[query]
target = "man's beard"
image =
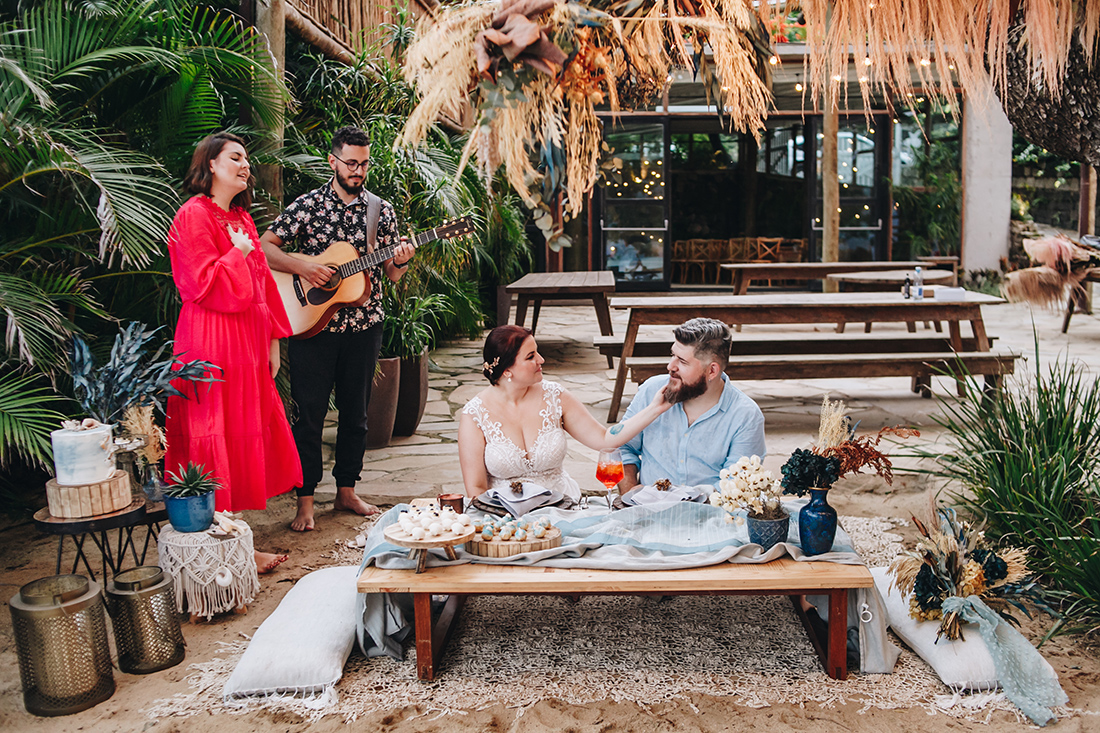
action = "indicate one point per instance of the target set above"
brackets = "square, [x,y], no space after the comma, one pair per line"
[350,189]
[685,391]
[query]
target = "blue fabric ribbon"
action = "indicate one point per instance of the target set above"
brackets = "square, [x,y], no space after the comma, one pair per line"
[1031,685]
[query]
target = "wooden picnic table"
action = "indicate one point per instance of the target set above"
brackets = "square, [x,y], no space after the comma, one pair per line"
[745,272]
[538,286]
[778,577]
[886,280]
[787,308]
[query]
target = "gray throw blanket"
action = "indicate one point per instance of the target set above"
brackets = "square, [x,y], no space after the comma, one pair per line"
[661,537]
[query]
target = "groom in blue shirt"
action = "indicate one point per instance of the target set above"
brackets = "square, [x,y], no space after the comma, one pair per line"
[711,425]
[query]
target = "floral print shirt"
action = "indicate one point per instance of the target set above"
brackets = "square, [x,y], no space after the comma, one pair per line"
[315,220]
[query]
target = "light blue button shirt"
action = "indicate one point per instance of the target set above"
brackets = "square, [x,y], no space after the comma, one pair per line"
[693,454]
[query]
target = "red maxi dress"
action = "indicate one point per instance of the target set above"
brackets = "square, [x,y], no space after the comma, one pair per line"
[231,312]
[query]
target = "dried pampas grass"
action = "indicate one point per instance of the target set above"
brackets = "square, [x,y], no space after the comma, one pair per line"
[1042,286]
[140,421]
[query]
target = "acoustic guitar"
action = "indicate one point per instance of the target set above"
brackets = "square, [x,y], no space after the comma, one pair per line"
[310,309]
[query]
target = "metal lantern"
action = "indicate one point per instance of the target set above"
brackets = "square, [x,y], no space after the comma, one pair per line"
[61,637]
[147,626]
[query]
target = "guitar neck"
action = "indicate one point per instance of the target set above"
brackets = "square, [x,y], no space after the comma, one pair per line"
[381,255]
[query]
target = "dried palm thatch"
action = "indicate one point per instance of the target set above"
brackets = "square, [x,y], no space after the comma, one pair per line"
[536,70]
[1063,266]
[950,42]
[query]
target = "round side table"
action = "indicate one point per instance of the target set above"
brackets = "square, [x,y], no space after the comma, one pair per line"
[113,554]
[210,575]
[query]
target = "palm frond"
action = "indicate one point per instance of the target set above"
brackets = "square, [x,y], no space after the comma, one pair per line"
[26,419]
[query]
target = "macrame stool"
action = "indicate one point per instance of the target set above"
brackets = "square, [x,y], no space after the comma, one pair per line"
[210,574]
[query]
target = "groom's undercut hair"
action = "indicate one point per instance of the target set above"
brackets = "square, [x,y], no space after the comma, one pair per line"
[710,339]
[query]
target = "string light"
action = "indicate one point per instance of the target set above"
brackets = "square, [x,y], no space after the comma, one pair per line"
[866,60]
[773,60]
[925,62]
[798,86]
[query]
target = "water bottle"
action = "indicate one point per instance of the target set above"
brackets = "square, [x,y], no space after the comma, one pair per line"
[918,284]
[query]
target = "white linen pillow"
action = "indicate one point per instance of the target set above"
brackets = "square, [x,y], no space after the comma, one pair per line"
[962,665]
[302,647]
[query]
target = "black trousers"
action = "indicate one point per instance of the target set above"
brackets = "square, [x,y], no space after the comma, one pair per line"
[347,362]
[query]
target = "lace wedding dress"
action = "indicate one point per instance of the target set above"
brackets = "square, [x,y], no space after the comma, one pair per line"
[505,462]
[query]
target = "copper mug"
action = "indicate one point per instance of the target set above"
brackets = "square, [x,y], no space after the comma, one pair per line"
[454,501]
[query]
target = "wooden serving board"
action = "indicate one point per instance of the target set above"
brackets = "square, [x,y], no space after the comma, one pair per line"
[497,547]
[398,536]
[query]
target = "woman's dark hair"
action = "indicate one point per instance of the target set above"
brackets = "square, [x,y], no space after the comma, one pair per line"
[502,345]
[199,177]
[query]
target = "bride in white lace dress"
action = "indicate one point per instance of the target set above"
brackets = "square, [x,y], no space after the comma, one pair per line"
[514,430]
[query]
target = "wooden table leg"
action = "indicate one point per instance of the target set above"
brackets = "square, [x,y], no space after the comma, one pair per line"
[425,658]
[977,325]
[535,316]
[838,635]
[956,337]
[603,317]
[620,376]
[521,308]
[431,639]
[740,282]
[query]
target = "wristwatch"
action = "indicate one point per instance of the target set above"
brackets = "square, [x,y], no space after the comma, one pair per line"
[402,266]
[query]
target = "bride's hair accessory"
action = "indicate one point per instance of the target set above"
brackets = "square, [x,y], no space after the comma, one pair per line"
[490,366]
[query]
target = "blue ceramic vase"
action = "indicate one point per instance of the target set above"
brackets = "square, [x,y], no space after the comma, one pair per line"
[817,524]
[190,513]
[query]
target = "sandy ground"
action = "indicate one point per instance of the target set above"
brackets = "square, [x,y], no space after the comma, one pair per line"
[426,464]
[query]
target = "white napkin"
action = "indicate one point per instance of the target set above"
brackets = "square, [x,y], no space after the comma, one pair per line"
[650,494]
[533,497]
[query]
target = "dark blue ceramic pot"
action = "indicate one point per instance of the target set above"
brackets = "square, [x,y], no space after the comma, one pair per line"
[768,532]
[190,513]
[817,524]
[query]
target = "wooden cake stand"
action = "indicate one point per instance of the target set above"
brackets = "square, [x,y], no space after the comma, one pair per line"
[447,541]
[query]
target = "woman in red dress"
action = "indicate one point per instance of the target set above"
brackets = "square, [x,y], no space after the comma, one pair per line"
[232,316]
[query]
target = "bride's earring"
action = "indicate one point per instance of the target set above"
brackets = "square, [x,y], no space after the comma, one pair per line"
[509,377]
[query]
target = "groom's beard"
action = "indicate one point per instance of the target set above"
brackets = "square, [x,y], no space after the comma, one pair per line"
[685,391]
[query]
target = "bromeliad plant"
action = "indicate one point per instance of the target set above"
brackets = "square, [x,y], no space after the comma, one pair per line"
[191,481]
[747,487]
[953,560]
[132,377]
[838,452]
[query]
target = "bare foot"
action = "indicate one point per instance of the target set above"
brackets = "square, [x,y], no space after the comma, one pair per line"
[303,521]
[349,502]
[267,561]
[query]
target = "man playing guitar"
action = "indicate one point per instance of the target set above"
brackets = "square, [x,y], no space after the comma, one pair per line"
[344,354]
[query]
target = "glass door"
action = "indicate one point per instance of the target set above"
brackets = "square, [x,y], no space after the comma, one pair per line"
[634,213]
[862,166]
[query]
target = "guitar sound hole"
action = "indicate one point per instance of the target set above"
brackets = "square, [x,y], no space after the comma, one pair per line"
[323,294]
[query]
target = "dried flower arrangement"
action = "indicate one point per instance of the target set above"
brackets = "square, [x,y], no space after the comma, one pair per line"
[535,71]
[838,452]
[747,487]
[953,560]
[1063,264]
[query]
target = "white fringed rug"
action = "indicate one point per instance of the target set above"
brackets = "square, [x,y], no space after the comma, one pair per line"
[519,650]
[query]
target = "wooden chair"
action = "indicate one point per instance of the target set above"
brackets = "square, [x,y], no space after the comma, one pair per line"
[736,251]
[792,250]
[698,256]
[767,249]
[678,260]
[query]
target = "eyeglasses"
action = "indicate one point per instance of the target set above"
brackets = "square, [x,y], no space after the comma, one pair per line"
[353,165]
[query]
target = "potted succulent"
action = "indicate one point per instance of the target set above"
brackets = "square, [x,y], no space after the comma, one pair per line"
[837,453]
[189,498]
[747,487]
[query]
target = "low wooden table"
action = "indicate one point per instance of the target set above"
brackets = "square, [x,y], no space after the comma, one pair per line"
[779,577]
[536,287]
[886,280]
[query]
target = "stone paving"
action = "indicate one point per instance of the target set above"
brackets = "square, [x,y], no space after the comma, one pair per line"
[426,463]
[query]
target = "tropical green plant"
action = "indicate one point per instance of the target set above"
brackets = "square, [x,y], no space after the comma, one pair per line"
[931,215]
[132,377]
[407,327]
[1028,463]
[191,481]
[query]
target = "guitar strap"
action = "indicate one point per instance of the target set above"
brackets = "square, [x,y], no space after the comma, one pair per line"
[374,211]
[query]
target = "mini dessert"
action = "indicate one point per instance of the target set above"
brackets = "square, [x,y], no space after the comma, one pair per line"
[516,487]
[663,484]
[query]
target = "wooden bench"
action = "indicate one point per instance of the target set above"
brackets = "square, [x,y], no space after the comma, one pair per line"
[779,577]
[536,287]
[818,343]
[992,365]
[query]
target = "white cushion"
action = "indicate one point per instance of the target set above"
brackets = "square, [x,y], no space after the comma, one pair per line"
[963,665]
[301,648]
